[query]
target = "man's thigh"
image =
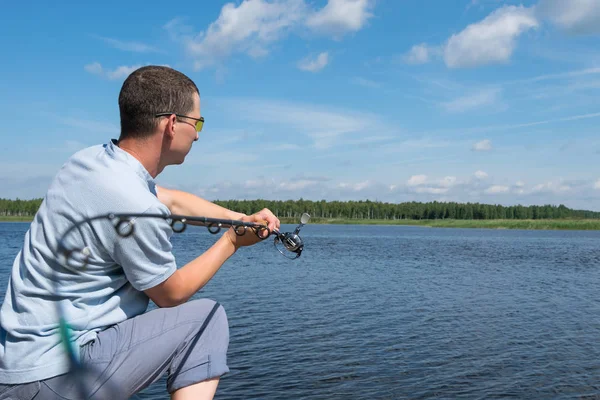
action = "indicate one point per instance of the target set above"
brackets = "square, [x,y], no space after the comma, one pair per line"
[19,392]
[188,342]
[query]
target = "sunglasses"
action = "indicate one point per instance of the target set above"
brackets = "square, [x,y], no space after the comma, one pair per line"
[199,121]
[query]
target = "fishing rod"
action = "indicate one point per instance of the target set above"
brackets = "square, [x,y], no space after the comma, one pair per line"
[76,259]
[124,225]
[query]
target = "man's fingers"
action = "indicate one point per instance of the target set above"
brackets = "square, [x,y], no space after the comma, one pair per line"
[271,218]
[266,217]
[270,222]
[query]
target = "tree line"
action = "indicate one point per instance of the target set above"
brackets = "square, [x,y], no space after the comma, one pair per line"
[408,210]
[364,209]
[18,207]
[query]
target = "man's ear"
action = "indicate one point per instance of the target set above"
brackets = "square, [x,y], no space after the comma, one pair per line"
[170,126]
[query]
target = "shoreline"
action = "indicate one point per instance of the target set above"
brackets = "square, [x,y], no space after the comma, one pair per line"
[525,224]
[16,219]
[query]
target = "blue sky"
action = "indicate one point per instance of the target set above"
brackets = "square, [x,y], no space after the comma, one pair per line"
[467,100]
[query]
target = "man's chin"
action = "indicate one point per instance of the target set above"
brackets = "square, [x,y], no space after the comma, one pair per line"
[180,159]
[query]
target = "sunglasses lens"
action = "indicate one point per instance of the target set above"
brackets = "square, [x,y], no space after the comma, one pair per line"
[199,125]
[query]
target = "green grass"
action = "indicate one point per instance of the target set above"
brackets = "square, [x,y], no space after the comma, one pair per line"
[545,224]
[15,219]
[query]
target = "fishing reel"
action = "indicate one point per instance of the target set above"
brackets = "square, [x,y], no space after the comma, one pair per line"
[290,241]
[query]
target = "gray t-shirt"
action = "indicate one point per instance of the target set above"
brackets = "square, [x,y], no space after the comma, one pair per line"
[98,180]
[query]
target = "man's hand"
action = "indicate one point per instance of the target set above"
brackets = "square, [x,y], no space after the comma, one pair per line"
[263,217]
[266,215]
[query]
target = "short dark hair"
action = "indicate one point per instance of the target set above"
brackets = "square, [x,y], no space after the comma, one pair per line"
[148,91]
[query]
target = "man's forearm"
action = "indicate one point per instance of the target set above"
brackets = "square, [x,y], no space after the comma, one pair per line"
[182,203]
[197,273]
[190,278]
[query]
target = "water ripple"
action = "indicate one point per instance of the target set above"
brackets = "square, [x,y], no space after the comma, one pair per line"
[404,313]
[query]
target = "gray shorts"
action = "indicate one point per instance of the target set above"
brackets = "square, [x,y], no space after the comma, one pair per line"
[188,342]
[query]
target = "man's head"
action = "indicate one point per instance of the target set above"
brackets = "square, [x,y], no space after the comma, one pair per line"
[156,99]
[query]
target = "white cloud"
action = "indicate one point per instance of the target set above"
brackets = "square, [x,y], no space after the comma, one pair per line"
[369,140]
[519,187]
[575,194]
[94,68]
[366,82]
[307,187]
[340,17]
[448,181]
[476,100]
[421,54]
[121,72]
[417,180]
[484,145]
[283,147]
[483,4]
[574,16]
[421,184]
[213,158]
[431,190]
[505,127]
[299,184]
[496,189]
[563,75]
[481,175]
[132,46]
[247,28]
[314,64]
[325,126]
[417,145]
[492,40]
[356,187]
[253,26]
[556,187]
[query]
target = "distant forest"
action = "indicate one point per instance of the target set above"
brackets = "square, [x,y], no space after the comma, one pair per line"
[364,209]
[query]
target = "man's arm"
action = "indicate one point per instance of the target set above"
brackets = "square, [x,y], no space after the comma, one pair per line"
[182,203]
[190,278]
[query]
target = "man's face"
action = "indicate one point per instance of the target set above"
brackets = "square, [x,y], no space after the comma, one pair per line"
[185,132]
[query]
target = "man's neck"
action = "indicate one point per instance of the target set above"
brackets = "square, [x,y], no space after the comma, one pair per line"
[146,151]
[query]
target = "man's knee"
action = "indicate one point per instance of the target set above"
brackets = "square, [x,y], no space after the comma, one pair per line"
[219,325]
[211,317]
[204,355]
[220,318]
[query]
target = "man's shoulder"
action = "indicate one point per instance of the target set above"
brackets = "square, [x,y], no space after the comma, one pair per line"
[88,151]
[92,177]
[86,159]
[98,161]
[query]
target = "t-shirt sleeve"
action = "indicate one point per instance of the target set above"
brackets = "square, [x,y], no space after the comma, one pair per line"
[146,255]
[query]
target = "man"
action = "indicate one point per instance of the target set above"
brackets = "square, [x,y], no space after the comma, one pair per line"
[105,304]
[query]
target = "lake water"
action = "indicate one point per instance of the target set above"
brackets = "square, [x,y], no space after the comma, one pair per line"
[390,312]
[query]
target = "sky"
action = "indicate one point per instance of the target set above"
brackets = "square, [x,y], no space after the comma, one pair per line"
[484,101]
